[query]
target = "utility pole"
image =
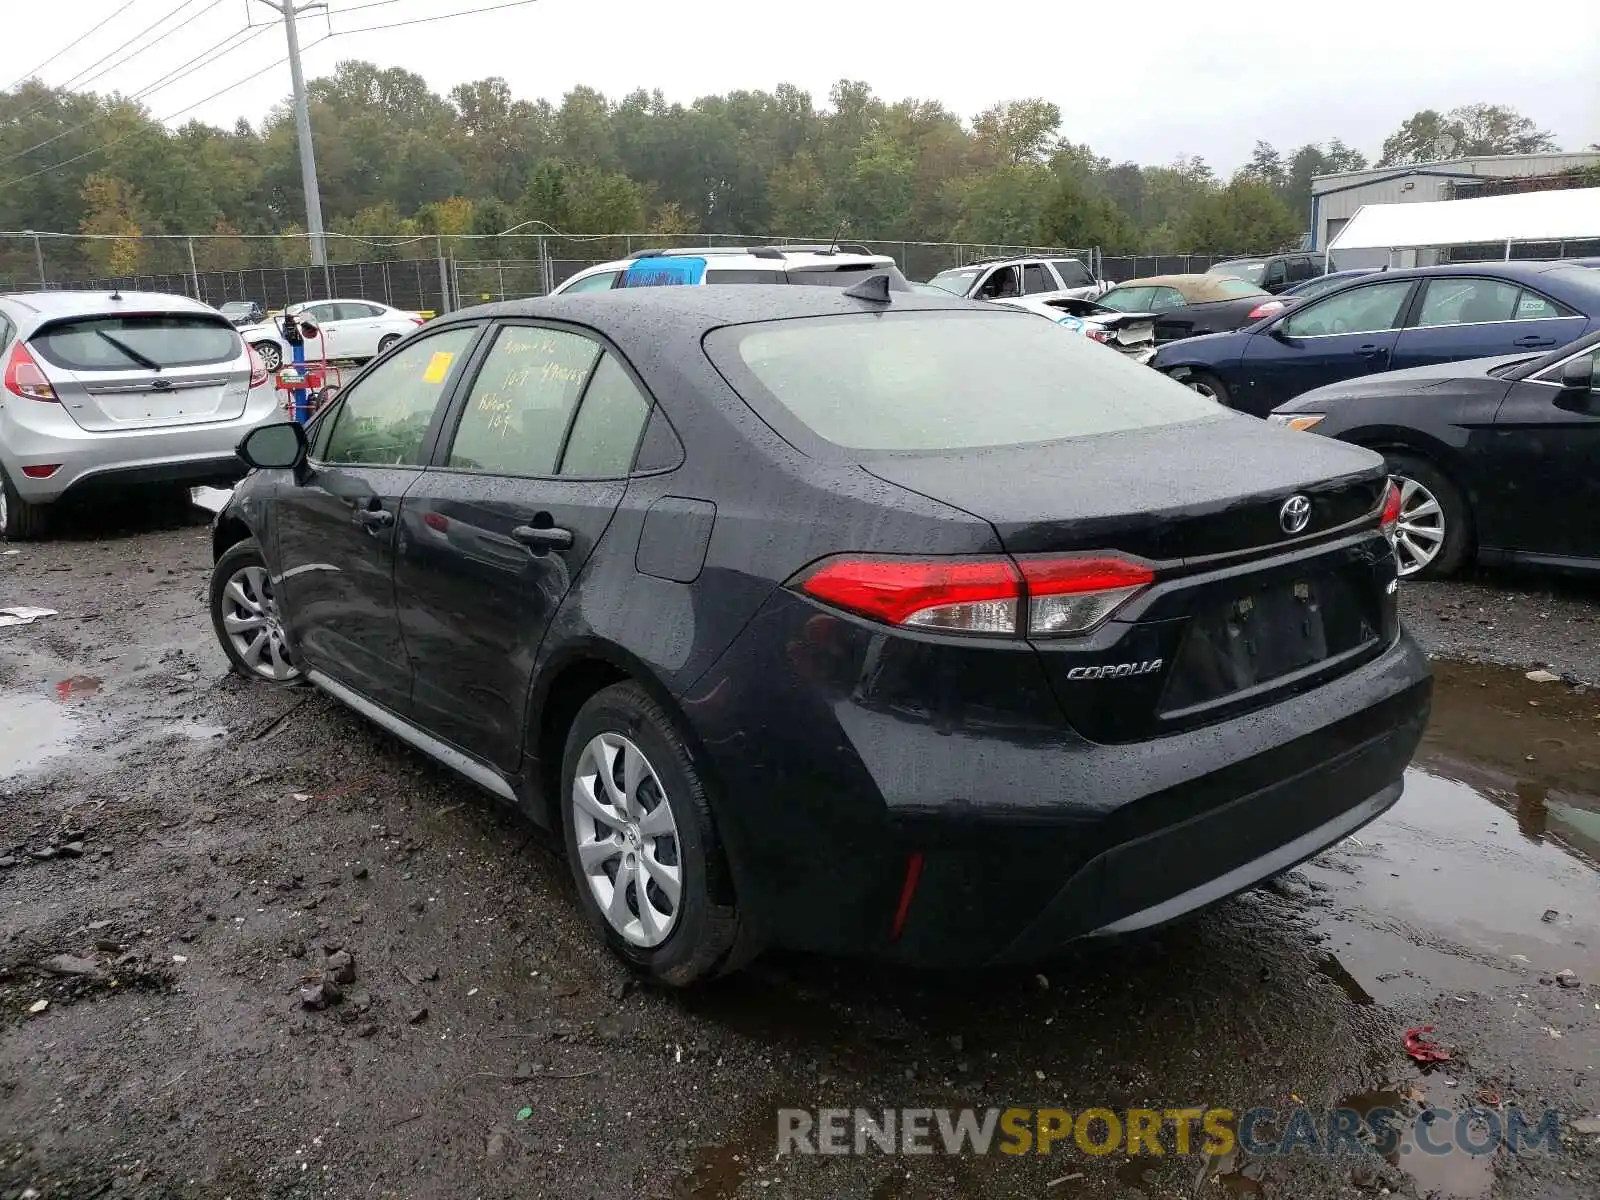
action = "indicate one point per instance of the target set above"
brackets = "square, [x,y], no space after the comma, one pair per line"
[302,120]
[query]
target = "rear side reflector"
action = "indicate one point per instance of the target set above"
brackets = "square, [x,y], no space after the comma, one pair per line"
[1036,595]
[25,379]
[908,890]
[41,472]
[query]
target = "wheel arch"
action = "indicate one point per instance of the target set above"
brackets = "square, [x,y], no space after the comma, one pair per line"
[1402,439]
[228,532]
[565,684]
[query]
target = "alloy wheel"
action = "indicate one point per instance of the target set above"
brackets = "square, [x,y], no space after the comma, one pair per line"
[1201,388]
[627,840]
[271,356]
[250,618]
[1420,533]
[5,512]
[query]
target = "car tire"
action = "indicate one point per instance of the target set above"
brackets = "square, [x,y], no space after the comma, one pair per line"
[271,355]
[612,834]
[247,619]
[1203,383]
[1430,503]
[387,342]
[20,521]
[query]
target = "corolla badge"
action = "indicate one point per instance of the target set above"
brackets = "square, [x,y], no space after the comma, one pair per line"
[1295,514]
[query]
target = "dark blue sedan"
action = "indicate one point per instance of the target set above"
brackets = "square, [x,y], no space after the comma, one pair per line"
[1388,322]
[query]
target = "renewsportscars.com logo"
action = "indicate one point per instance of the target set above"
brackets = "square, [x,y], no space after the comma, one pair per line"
[1258,1132]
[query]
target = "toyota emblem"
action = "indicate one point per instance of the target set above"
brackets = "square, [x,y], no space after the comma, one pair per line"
[1295,514]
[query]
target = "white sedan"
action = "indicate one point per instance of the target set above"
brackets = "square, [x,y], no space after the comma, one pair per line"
[348,329]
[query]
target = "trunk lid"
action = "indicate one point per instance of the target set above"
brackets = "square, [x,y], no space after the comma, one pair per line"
[1242,612]
[141,371]
[1160,493]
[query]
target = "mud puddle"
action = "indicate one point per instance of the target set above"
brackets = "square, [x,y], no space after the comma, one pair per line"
[33,730]
[1485,873]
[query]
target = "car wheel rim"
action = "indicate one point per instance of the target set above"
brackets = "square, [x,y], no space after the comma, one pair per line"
[1200,387]
[5,512]
[271,357]
[627,840]
[1420,533]
[250,619]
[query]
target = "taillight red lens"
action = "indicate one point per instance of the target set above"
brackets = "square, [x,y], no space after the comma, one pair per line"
[258,369]
[1098,335]
[25,379]
[1042,595]
[959,595]
[419,320]
[1265,309]
[1389,521]
[41,470]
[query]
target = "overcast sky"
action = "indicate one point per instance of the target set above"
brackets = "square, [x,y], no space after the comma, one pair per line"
[1199,77]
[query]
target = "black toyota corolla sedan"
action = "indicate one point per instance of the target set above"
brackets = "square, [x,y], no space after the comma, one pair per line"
[861,622]
[1495,458]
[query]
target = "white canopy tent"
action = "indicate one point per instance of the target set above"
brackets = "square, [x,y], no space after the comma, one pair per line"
[1558,216]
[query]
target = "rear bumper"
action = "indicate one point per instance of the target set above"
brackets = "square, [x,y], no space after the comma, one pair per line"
[870,754]
[35,434]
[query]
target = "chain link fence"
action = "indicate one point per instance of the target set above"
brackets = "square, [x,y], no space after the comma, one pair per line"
[434,273]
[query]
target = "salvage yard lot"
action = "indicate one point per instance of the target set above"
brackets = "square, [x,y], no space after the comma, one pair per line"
[214,842]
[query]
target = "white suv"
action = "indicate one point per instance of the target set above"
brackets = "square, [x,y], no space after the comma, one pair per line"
[826,266]
[1009,278]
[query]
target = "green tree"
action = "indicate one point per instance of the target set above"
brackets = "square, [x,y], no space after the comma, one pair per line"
[1466,132]
[1246,217]
[1078,215]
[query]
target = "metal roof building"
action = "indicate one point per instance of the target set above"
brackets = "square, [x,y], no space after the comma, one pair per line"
[1337,198]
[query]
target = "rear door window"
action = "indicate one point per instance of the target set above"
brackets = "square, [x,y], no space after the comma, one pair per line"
[1036,279]
[926,381]
[1531,306]
[602,282]
[610,421]
[1456,301]
[138,342]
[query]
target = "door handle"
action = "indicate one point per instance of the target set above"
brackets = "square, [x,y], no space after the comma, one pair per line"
[375,518]
[1369,351]
[1533,340]
[541,540]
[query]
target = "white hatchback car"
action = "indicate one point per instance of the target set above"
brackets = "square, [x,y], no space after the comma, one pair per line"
[349,329]
[826,266]
[109,390]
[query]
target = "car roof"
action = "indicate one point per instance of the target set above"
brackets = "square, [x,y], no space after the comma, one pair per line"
[1014,258]
[1192,288]
[773,258]
[49,306]
[628,313]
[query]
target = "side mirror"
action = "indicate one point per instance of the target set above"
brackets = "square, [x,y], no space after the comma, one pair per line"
[1278,332]
[1578,375]
[277,447]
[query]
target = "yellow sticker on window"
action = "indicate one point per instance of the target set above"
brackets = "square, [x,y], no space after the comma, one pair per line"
[438,367]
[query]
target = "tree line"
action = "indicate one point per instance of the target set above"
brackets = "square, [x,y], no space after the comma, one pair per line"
[395,159]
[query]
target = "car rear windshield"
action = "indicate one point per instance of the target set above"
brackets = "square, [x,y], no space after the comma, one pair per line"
[927,381]
[135,342]
[1250,272]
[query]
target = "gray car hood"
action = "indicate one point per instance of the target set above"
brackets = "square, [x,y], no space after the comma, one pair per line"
[1412,379]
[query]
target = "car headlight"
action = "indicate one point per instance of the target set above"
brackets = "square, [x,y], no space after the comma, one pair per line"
[1300,421]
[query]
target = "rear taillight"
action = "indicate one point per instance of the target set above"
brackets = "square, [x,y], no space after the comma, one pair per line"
[258,369]
[1034,595]
[1389,520]
[1265,309]
[419,320]
[25,379]
[1098,335]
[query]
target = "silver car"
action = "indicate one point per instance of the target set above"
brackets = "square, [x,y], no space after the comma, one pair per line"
[109,390]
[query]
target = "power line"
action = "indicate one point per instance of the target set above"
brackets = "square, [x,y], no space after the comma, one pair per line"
[160,121]
[466,12]
[160,84]
[75,42]
[79,82]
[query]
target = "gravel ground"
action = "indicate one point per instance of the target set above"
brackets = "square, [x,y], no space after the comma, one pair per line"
[187,854]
